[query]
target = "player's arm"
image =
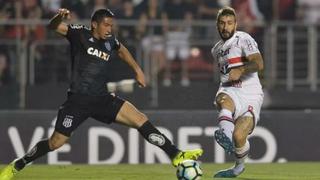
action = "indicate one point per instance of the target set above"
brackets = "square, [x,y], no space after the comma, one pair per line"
[254,63]
[57,24]
[126,56]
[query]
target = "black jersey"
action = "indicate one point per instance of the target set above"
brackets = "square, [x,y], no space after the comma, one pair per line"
[90,60]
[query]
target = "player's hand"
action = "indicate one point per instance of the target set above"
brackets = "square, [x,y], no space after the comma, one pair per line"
[235,74]
[140,79]
[64,13]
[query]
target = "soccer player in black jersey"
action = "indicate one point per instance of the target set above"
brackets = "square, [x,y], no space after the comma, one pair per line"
[87,97]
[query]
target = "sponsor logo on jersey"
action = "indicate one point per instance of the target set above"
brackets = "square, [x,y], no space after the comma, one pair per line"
[100,54]
[67,122]
[223,53]
[250,46]
[79,26]
[76,26]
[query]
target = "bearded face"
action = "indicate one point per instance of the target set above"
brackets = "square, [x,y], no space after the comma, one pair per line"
[226,26]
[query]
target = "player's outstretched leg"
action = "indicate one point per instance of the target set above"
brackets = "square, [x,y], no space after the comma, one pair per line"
[40,149]
[131,116]
[241,154]
[186,155]
[155,137]
[8,172]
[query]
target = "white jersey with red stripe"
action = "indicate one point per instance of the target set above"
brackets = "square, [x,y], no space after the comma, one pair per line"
[232,53]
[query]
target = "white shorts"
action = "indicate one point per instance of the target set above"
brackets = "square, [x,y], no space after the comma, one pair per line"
[244,103]
[177,44]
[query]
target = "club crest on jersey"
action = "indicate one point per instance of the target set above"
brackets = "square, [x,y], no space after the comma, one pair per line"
[67,122]
[108,46]
[100,54]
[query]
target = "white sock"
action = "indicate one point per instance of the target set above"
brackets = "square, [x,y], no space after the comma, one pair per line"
[241,155]
[226,122]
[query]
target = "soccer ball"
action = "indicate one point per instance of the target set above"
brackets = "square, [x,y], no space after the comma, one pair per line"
[189,170]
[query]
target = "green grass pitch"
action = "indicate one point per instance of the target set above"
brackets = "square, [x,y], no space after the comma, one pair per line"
[272,171]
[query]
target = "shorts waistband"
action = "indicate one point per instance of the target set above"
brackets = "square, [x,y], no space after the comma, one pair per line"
[237,84]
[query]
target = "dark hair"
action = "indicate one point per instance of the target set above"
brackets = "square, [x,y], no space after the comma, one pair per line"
[226,11]
[99,14]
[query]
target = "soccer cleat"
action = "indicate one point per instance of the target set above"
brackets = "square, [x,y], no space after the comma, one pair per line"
[227,173]
[224,141]
[8,172]
[186,155]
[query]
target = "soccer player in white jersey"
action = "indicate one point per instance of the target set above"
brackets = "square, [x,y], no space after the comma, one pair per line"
[240,95]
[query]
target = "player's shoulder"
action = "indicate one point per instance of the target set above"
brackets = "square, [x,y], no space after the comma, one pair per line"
[114,38]
[216,46]
[243,35]
[113,41]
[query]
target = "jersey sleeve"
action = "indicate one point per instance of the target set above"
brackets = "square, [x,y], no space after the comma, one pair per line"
[249,45]
[74,32]
[213,51]
[115,43]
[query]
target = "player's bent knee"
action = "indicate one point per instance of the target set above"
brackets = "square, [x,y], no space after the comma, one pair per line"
[224,101]
[221,98]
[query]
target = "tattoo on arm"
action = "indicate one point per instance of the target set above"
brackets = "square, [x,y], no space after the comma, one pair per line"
[250,67]
[253,64]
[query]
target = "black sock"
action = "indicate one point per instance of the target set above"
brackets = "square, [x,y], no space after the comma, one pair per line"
[155,137]
[40,149]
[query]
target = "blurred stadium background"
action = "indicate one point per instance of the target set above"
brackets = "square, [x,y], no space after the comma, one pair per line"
[34,75]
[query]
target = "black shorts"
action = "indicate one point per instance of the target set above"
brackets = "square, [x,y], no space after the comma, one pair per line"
[79,107]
